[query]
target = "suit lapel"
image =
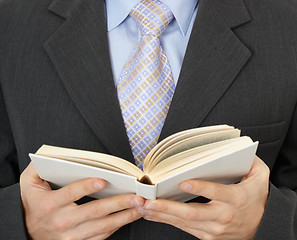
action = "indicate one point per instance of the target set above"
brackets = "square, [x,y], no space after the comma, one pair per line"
[213,59]
[80,54]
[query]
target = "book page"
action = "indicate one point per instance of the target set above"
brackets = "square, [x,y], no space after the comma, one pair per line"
[87,157]
[189,143]
[93,163]
[193,161]
[183,157]
[165,143]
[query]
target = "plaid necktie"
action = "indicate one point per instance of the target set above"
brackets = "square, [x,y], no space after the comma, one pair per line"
[146,84]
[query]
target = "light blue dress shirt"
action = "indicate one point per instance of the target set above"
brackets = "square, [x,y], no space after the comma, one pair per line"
[124,35]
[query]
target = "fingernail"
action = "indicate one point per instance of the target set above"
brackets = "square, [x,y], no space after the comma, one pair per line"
[186,187]
[149,206]
[98,185]
[137,202]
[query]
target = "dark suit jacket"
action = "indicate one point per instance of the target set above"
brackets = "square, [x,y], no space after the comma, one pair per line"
[56,85]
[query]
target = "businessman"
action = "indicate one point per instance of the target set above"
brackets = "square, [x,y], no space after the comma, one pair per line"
[96,75]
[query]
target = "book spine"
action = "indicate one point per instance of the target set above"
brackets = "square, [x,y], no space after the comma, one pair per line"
[146,191]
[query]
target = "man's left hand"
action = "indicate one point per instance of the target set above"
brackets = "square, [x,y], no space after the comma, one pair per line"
[234,211]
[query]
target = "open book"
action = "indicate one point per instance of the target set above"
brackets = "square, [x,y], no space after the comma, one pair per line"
[215,153]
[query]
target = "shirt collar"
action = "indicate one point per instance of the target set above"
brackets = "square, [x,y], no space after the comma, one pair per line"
[118,10]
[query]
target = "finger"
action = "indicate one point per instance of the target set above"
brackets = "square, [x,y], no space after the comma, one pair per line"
[107,225]
[210,190]
[73,215]
[106,206]
[76,191]
[103,236]
[200,229]
[259,168]
[199,233]
[100,237]
[189,211]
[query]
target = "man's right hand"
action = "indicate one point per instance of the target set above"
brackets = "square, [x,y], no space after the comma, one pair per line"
[55,215]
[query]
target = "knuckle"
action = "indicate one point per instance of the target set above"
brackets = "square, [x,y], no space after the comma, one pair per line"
[97,211]
[239,202]
[225,218]
[127,203]
[206,236]
[192,214]
[107,226]
[61,224]
[133,215]
[218,230]
[70,192]
[46,206]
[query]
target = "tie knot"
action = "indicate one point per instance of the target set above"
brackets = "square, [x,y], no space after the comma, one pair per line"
[152,17]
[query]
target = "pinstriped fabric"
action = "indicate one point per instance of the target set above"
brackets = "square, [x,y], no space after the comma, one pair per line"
[146,83]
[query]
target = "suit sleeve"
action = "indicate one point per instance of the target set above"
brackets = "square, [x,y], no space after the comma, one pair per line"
[280,217]
[11,220]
